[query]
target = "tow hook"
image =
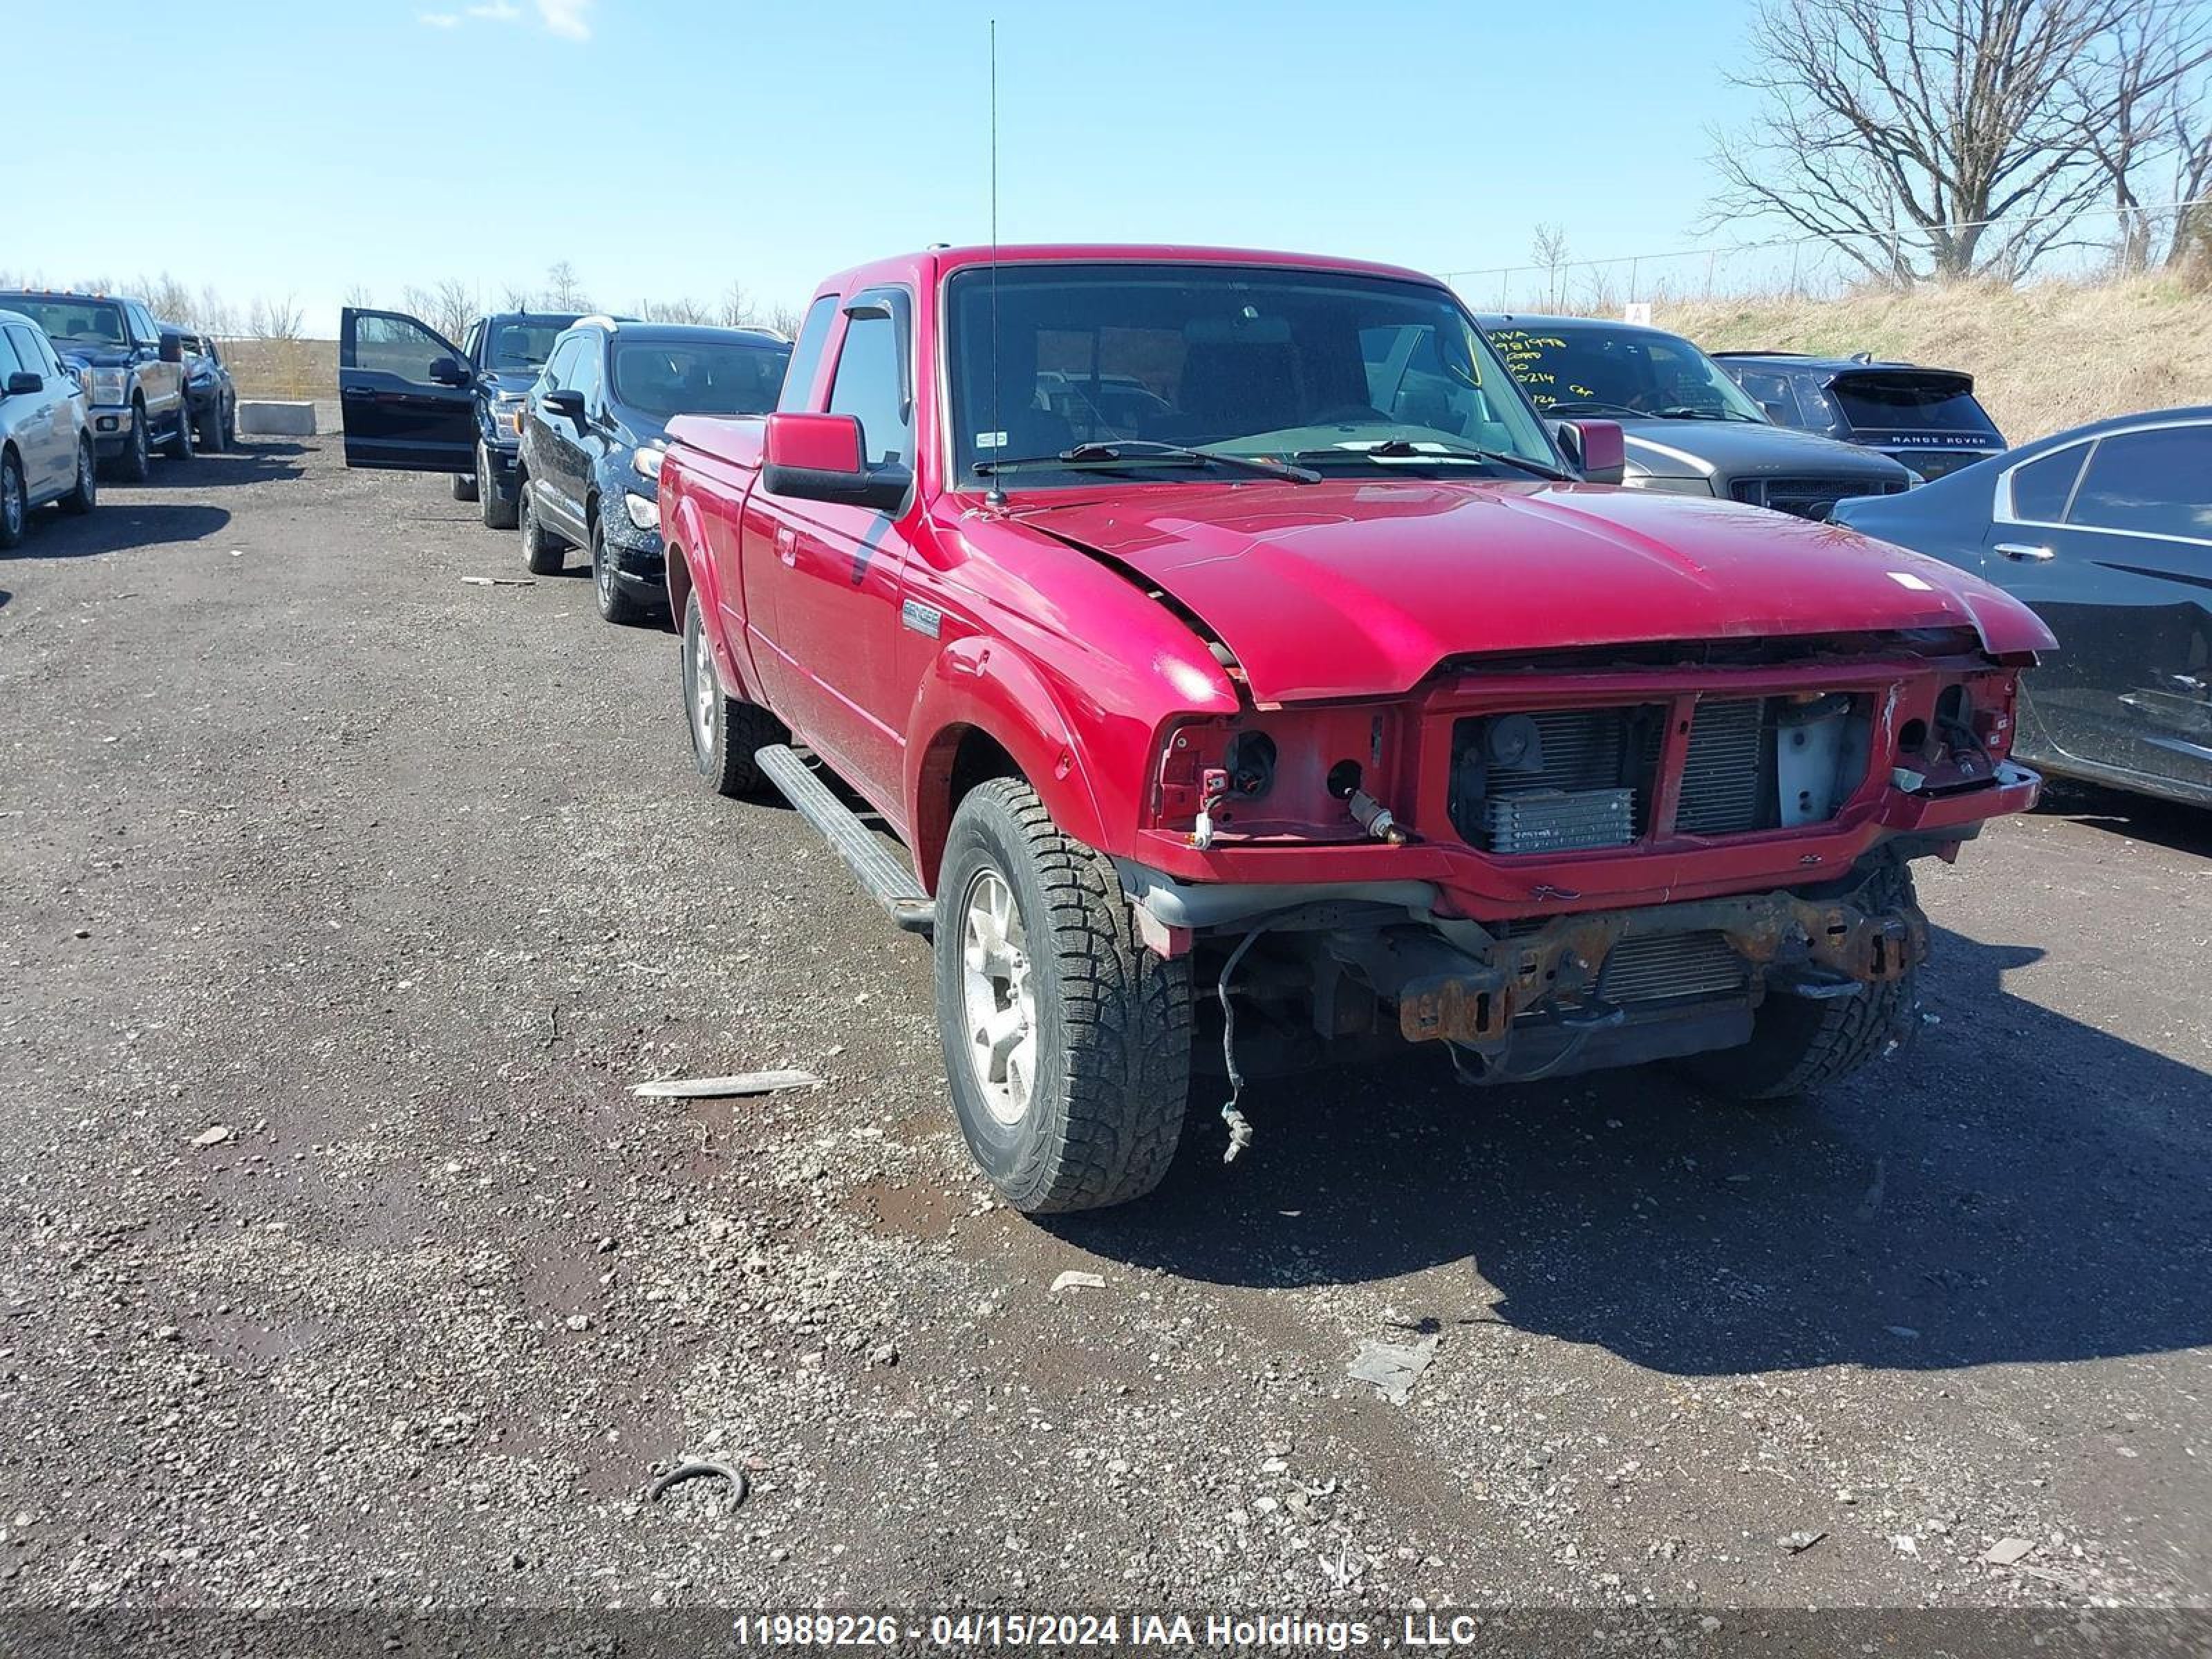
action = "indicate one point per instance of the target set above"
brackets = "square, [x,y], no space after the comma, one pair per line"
[1372,816]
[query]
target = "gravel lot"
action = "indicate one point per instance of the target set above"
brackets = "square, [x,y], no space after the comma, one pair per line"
[402,882]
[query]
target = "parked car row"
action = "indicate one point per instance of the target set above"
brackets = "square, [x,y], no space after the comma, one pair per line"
[554,423]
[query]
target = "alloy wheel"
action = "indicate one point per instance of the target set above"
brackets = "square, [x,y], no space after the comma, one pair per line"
[999,997]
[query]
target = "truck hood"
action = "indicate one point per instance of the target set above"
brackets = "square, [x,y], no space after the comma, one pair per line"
[85,356]
[1349,589]
[1738,449]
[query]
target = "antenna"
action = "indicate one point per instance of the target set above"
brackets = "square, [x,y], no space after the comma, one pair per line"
[995,496]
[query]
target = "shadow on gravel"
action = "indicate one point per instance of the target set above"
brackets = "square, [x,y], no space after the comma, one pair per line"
[2015,1187]
[252,462]
[116,526]
[2140,818]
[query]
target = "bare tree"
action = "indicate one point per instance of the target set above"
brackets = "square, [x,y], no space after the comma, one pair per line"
[1550,251]
[452,307]
[273,319]
[217,315]
[169,299]
[359,297]
[563,291]
[682,310]
[738,309]
[2156,152]
[515,296]
[785,320]
[1928,138]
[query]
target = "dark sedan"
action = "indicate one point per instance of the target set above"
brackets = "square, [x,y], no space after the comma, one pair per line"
[2106,532]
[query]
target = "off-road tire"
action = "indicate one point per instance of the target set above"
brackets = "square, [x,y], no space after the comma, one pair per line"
[82,500]
[1105,1109]
[616,605]
[15,503]
[735,728]
[465,486]
[497,512]
[180,446]
[1799,1045]
[136,464]
[543,552]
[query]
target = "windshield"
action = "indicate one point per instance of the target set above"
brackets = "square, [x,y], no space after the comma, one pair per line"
[1329,367]
[81,322]
[524,343]
[1580,369]
[665,378]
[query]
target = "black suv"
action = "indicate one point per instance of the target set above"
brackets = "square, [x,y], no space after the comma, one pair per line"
[1688,428]
[415,402]
[1926,418]
[209,392]
[593,429]
[133,377]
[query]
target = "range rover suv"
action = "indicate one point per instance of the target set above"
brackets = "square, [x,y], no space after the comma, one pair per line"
[1690,430]
[1928,418]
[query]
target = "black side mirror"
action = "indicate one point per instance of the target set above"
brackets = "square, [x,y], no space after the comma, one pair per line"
[21,385]
[173,349]
[561,401]
[448,372]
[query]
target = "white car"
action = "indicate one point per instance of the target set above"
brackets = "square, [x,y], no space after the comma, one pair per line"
[46,444]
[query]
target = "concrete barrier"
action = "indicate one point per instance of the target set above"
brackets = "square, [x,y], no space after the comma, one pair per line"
[274,420]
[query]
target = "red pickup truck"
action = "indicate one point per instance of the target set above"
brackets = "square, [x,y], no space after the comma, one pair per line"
[1254,677]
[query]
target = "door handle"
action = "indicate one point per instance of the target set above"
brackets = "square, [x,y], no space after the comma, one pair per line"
[2025,551]
[787,544]
[356,391]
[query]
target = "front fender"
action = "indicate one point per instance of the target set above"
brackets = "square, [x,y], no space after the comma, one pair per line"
[978,684]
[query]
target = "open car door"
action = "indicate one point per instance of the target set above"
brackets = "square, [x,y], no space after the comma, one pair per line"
[406,394]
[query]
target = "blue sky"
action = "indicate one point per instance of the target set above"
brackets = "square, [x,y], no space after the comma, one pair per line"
[666,146]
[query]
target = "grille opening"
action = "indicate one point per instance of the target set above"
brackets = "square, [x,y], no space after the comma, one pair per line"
[1770,763]
[1809,497]
[1555,781]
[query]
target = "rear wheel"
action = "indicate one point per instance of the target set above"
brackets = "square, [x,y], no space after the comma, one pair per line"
[725,730]
[180,447]
[541,551]
[1066,1043]
[496,512]
[211,437]
[615,605]
[14,503]
[80,500]
[1799,1045]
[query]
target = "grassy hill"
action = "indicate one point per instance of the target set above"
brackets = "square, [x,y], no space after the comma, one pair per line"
[2044,358]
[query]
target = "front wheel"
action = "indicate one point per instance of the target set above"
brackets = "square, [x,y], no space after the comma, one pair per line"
[614,605]
[79,500]
[1798,1045]
[14,503]
[494,509]
[541,551]
[136,464]
[1067,1042]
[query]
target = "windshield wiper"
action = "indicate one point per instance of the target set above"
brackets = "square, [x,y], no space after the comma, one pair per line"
[1597,406]
[1405,449]
[1134,451]
[1685,412]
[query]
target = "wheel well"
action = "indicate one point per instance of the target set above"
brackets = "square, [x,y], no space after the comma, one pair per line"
[679,583]
[959,758]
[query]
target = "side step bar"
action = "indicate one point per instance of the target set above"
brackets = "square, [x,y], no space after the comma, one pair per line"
[889,883]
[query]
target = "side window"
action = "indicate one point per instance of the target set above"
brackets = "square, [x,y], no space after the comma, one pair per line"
[142,326]
[395,345]
[587,374]
[806,355]
[2158,482]
[868,385]
[2041,490]
[559,364]
[473,345]
[10,364]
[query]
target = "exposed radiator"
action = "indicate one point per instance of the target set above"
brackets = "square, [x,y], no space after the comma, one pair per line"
[1724,774]
[1557,821]
[1669,966]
